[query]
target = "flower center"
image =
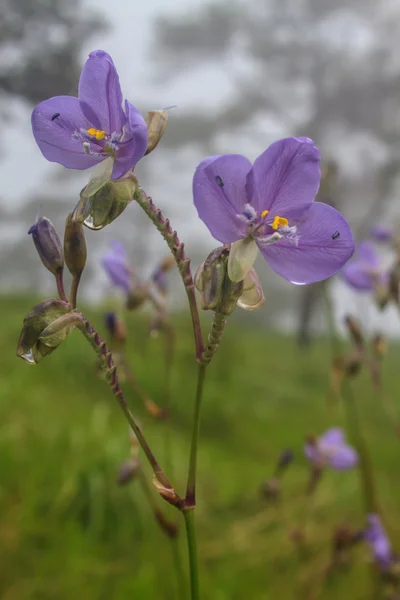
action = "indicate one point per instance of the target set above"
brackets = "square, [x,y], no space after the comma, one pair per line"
[99,134]
[266,229]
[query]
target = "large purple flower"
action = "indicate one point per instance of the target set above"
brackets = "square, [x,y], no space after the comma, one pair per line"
[379,541]
[331,449]
[115,263]
[82,132]
[270,206]
[363,273]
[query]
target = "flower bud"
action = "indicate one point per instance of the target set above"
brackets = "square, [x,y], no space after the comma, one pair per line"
[48,245]
[45,327]
[106,204]
[128,470]
[285,458]
[394,284]
[218,292]
[156,122]
[115,326]
[137,295]
[379,346]
[74,246]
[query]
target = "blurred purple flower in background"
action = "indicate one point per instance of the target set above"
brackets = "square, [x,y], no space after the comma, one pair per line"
[82,132]
[115,263]
[269,206]
[363,273]
[380,233]
[376,536]
[331,449]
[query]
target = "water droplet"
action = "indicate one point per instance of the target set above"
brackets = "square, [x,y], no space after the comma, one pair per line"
[89,222]
[298,282]
[28,356]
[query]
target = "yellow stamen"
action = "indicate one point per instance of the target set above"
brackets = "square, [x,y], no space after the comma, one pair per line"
[279,222]
[99,134]
[264,213]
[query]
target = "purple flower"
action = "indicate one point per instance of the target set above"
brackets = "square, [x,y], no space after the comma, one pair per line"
[270,206]
[378,540]
[363,272]
[330,449]
[116,265]
[82,132]
[380,233]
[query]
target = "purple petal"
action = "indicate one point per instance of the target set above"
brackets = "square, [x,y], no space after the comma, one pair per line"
[355,275]
[285,178]
[133,149]
[219,195]
[311,452]
[319,252]
[333,436]
[379,541]
[380,233]
[54,123]
[367,254]
[343,458]
[100,93]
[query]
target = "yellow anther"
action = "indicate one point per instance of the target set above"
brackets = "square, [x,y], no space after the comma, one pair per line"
[99,134]
[279,222]
[264,213]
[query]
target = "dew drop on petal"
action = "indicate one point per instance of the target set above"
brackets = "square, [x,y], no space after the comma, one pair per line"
[298,282]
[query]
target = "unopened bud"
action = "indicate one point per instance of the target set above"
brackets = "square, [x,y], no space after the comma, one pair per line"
[382,295]
[106,204]
[45,327]
[348,366]
[48,245]
[379,346]
[128,470]
[218,292]
[74,246]
[137,295]
[286,457]
[271,489]
[394,284]
[116,328]
[156,122]
[354,329]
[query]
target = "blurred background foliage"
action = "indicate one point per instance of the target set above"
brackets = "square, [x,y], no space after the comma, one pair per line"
[328,70]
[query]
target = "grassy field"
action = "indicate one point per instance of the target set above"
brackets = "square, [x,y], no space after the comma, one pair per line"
[68,531]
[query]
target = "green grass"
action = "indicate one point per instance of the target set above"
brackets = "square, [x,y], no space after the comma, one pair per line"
[67,531]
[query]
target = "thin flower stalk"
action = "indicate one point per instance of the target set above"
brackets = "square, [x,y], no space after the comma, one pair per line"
[183,263]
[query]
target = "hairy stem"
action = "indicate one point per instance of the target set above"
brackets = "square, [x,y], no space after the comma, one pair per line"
[183,263]
[165,488]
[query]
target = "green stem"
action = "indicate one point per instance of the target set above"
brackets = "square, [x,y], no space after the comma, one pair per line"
[74,289]
[183,263]
[166,490]
[178,567]
[365,466]
[192,550]
[330,319]
[190,499]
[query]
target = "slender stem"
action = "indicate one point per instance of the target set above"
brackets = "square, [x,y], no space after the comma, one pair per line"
[192,550]
[60,286]
[165,488]
[330,319]
[183,263]
[170,529]
[190,499]
[178,566]
[212,346]
[365,466]
[74,289]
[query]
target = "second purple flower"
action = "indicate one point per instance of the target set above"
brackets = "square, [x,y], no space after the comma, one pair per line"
[269,206]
